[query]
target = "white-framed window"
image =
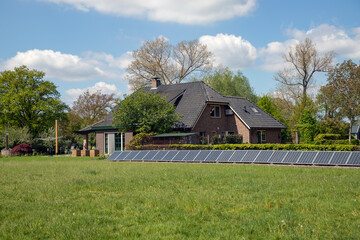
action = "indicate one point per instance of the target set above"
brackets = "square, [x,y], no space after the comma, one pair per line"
[215,111]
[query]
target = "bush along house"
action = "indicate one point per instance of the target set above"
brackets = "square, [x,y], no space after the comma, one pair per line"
[205,113]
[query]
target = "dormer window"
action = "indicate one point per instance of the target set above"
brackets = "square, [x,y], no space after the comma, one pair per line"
[215,111]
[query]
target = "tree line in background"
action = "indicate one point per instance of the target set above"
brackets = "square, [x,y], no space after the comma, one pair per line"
[29,104]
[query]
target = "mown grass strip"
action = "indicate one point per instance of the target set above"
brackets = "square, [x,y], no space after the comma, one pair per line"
[83,198]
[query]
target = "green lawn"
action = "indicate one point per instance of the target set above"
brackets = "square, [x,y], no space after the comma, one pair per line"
[83,198]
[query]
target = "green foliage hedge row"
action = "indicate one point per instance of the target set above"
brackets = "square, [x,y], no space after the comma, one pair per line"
[294,147]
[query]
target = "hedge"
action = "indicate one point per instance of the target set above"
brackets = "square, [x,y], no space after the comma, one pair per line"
[293,147]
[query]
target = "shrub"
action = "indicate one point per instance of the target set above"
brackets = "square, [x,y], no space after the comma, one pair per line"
[327,136]
[215,140]
[139,140]
[269,146]
[21,149]
[233,139]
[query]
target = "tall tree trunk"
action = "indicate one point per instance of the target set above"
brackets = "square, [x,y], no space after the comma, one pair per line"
[350,132]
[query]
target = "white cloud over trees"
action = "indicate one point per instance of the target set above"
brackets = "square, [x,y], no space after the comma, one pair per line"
[69,67]
[192,12]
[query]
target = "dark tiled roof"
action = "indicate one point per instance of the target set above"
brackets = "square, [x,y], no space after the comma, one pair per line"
[191,99]
[252,115]
[194,95]
[197,94]
[355,129]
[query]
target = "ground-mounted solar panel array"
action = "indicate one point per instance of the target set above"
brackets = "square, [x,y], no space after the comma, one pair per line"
[241,156]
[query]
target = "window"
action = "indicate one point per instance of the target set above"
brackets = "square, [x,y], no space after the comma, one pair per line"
[119,143]
[254,110]
[215,111]
[106,144]
[261,136]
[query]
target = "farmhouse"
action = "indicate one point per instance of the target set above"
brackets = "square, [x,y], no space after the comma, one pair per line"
[205,113]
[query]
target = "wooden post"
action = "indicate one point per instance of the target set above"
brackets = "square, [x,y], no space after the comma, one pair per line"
[56,137]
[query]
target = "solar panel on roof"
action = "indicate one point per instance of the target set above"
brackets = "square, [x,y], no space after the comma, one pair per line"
[191,155]
[225,156]
[180,156]
[292,157]
[150,155]
[307,158]
[202,155]
[354,159]
[238,156]
[277,157]
[340,158]
[264,156]
[170,155]
[213,156]
[323,158]
[250,156]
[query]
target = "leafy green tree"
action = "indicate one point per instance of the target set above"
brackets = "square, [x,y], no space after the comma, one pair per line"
[146,112]
[269,106]
[342,91]
[26,100]
[229,84]
[308,126]
[16,136]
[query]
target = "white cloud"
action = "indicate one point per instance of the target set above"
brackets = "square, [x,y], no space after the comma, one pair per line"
[326,38]
[185,11]
[105,88]
[68,67]
[230,51]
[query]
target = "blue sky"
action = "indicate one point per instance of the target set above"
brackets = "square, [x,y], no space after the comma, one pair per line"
[87,44]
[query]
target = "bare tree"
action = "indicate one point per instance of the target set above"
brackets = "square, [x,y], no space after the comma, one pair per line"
[171,63]
[303,61]
[92,107]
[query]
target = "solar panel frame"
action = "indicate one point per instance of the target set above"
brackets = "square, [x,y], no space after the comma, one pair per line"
[170,155]
[237,156]
[141,155]
[225,156]
[251,156]
[307,157]
[340,158]
[113,156]
[180,156]
[150,155]
[213,156]
[323,158]
[244,156]
[202,155]
[122,156]
[278,156]
[131,155]
[354,159]
[159,155]
[190,157]
[264,156]
[292,157]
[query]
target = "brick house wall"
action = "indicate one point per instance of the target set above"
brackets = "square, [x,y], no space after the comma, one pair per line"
[216,126]
[100,141]
[272,135]
[231,123]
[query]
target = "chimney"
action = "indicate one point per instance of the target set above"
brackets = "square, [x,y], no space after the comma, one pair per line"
[155,82]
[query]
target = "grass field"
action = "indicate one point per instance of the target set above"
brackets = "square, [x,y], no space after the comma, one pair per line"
[83,198]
